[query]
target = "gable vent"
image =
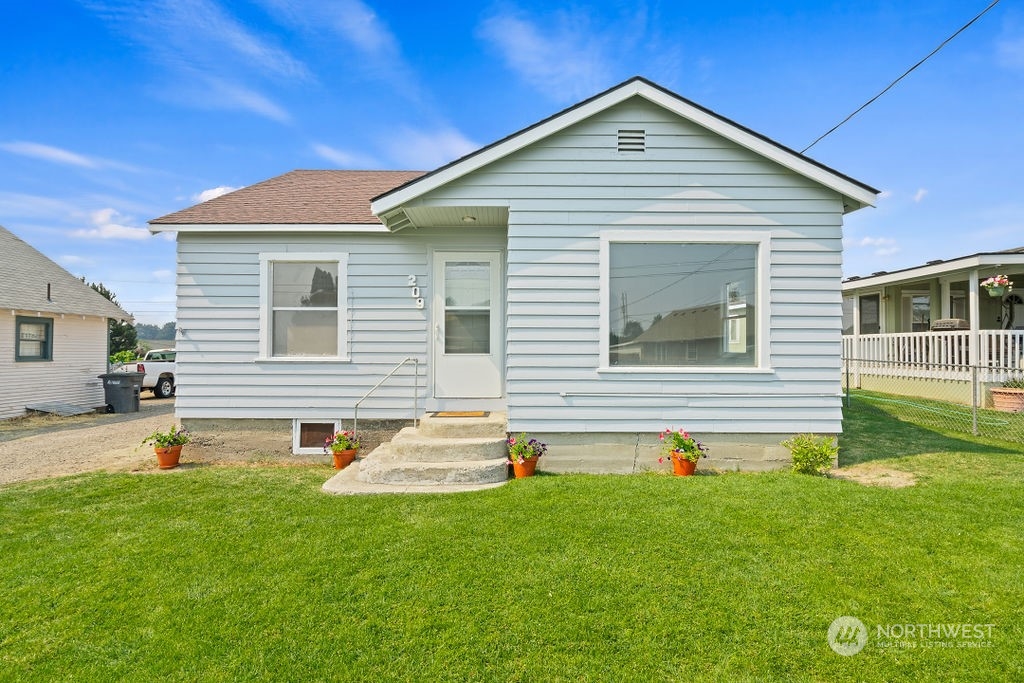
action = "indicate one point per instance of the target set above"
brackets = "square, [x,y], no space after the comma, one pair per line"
[632,140]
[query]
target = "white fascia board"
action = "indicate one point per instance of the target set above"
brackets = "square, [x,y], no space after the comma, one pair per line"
[270,227]
[960,266]
[729,131]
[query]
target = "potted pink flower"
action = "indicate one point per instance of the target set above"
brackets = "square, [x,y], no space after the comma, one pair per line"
[343,446]
[523,454]
[683,449]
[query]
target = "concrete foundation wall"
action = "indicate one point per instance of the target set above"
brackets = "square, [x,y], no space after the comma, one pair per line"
[953,391]
[628,453]
[596,453]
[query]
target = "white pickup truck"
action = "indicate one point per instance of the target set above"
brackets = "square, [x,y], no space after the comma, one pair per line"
[158,365]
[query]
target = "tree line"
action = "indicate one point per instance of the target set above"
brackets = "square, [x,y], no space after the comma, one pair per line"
[123,336]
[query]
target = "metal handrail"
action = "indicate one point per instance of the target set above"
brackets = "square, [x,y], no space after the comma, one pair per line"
[415,393]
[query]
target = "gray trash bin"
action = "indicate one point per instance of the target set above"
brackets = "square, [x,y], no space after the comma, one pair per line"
[121,391]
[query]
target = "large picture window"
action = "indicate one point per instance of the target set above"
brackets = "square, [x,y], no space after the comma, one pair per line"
[303,306]
[682,304]
[33,339]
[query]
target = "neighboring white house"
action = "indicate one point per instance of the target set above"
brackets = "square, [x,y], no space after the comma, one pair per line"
[905,329]
[543,275]
[53,332]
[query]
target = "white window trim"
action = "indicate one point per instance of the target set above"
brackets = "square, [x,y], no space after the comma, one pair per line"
[296,432]
[344,310]
[760,239]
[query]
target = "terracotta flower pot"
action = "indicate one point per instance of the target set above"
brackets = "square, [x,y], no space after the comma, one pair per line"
[526,468]
[681,467]
[167,458]
[343,459]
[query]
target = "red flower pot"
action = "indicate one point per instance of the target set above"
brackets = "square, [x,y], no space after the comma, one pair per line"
[526,468]
[343,459]
[682,467]
[167,458]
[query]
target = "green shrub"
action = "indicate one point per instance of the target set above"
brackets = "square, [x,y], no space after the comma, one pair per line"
[812,454]
[122,357]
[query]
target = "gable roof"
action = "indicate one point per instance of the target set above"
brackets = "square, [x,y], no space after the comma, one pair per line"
[28,277]
[296,198]
[960,265]
[856,194]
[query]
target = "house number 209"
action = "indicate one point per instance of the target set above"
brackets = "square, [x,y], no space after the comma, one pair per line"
[415,291]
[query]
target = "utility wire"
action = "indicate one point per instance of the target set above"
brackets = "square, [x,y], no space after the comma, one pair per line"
[905,74]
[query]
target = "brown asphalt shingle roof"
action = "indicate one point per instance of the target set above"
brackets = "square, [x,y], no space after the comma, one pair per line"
[297,197]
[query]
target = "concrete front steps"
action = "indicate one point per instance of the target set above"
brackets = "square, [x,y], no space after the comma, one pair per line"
[441,451]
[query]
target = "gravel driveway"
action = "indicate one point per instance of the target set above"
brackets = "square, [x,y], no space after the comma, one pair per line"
[48,446]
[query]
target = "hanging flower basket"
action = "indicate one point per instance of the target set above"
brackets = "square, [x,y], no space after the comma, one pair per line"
[997,285]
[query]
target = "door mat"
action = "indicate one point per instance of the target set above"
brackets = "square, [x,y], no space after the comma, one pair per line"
[462,413]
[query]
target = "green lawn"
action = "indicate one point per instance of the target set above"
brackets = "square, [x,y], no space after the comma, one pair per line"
[242,573]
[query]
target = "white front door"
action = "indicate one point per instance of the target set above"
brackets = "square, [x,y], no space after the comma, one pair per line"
[468,325]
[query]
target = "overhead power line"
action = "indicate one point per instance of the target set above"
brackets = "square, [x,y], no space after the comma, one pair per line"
[904,75]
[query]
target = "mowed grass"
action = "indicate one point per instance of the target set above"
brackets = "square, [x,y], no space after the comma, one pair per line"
[225,574]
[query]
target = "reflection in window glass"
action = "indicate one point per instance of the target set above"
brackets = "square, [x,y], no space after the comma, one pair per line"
[467,283]
[467,302]
[869,317]
[34,339]
[304,308]
[682,304]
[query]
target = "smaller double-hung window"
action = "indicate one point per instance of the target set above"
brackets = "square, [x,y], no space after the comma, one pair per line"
[33,339]
[303,306]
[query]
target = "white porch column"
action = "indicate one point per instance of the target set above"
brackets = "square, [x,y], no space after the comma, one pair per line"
[944,297]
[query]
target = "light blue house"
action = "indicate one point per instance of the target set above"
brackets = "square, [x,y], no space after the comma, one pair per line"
[631,263]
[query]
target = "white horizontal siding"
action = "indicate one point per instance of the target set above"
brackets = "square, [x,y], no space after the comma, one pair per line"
[79,357]
[219,374]
[565,190]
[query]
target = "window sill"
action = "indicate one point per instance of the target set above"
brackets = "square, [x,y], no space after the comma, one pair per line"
[689,370]
[303,359]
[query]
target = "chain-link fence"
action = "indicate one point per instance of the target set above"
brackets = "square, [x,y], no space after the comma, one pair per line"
[961,398]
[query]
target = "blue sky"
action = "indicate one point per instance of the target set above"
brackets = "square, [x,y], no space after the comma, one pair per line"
[116,112]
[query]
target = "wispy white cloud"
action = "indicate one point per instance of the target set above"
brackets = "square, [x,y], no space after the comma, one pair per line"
[213,57]
[879,246]
[417,149]
[212,193]
[565,59]
[199,35]
[73,260]
[352,20]
[34,206]
[569,54]
[344,159]
[920,195]
[108,224]
[48,153]
[58,155]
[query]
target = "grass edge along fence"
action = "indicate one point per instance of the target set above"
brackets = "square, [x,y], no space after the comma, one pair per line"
[955,398]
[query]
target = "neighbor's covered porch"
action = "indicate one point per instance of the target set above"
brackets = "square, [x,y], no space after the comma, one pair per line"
[935,322]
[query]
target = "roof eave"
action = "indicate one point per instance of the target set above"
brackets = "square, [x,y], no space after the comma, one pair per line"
[962,264]
[157,228]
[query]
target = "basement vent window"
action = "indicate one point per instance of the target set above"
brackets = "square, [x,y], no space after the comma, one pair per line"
[308,435]
[632,141]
